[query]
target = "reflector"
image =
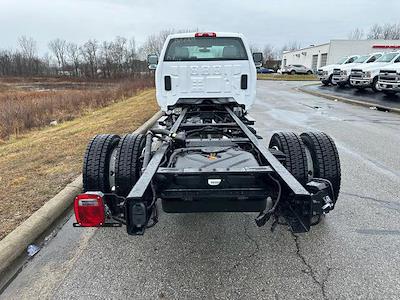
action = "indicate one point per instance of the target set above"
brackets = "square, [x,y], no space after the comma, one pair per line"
[89,210]
[205,34]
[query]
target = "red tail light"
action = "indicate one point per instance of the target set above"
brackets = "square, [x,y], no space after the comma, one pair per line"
[89,210]
[205,34]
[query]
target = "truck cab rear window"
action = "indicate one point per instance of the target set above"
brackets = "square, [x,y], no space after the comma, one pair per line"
[205,49]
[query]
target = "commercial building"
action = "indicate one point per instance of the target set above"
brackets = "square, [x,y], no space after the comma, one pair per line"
[315,57]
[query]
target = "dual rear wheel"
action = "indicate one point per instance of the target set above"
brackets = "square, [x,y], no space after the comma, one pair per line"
[113,164]
[309,155]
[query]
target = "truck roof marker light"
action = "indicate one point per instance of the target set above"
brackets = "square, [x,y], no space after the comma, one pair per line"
[205,34]
[89,210]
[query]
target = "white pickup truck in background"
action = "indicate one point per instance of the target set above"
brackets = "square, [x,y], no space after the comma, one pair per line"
[325,73]
[367,76]
[341,76]
[389,78]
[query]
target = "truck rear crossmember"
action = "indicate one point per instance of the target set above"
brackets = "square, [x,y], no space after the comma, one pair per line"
[210,159]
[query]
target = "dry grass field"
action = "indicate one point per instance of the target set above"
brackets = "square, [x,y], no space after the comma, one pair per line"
[33,103]
[286,77]
[39,163]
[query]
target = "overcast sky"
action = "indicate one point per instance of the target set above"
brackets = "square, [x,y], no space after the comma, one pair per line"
[262,21]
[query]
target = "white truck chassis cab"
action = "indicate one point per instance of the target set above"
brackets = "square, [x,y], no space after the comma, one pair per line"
[204,154]
[325,73]
[389,78]
[341,76]
[367,75]
[205,67]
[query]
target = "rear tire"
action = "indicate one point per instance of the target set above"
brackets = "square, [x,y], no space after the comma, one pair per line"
[96,163]
[309,72]
[128,162]
[330,79]
[325,158]
[296,161]
[325,82]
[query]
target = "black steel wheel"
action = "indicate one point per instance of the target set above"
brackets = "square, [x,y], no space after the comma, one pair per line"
[322,150]
[128,162]
[292,146]
[98,171]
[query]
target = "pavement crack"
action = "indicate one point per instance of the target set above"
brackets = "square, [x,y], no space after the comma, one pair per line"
[253,240]
[310,269]
[388,204]
[250,255]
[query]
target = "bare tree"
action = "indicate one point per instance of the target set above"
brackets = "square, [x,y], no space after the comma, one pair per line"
[29,53]
[105,58]
[118,53]
[375,32]
[59,49]
[391,31]
[28,46]
[155,42]
[269,52]
[386,32]
[356,34]
[89,52]
[292,45]
[74,56]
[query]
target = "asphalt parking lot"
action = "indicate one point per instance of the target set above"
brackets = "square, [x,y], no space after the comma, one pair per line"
[352,254]
[366,95]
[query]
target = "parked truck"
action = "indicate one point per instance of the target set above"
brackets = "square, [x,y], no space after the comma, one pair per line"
[341,75]
[325,73]
[204,154]
[367,75]
[389,78]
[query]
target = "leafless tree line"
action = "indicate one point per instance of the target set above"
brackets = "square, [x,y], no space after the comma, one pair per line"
[376,32]
[24,61]
[109,59]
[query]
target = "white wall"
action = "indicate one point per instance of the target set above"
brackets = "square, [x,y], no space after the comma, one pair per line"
[304,56]
[336,49]
[340,48]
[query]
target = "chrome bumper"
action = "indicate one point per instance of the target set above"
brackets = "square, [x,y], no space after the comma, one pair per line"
[389,86]
[340,79]
[362,82]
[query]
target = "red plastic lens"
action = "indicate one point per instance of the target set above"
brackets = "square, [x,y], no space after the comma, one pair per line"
[205,34]
[89,210]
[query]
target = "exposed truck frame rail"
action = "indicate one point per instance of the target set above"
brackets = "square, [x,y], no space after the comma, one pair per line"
[268,188]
